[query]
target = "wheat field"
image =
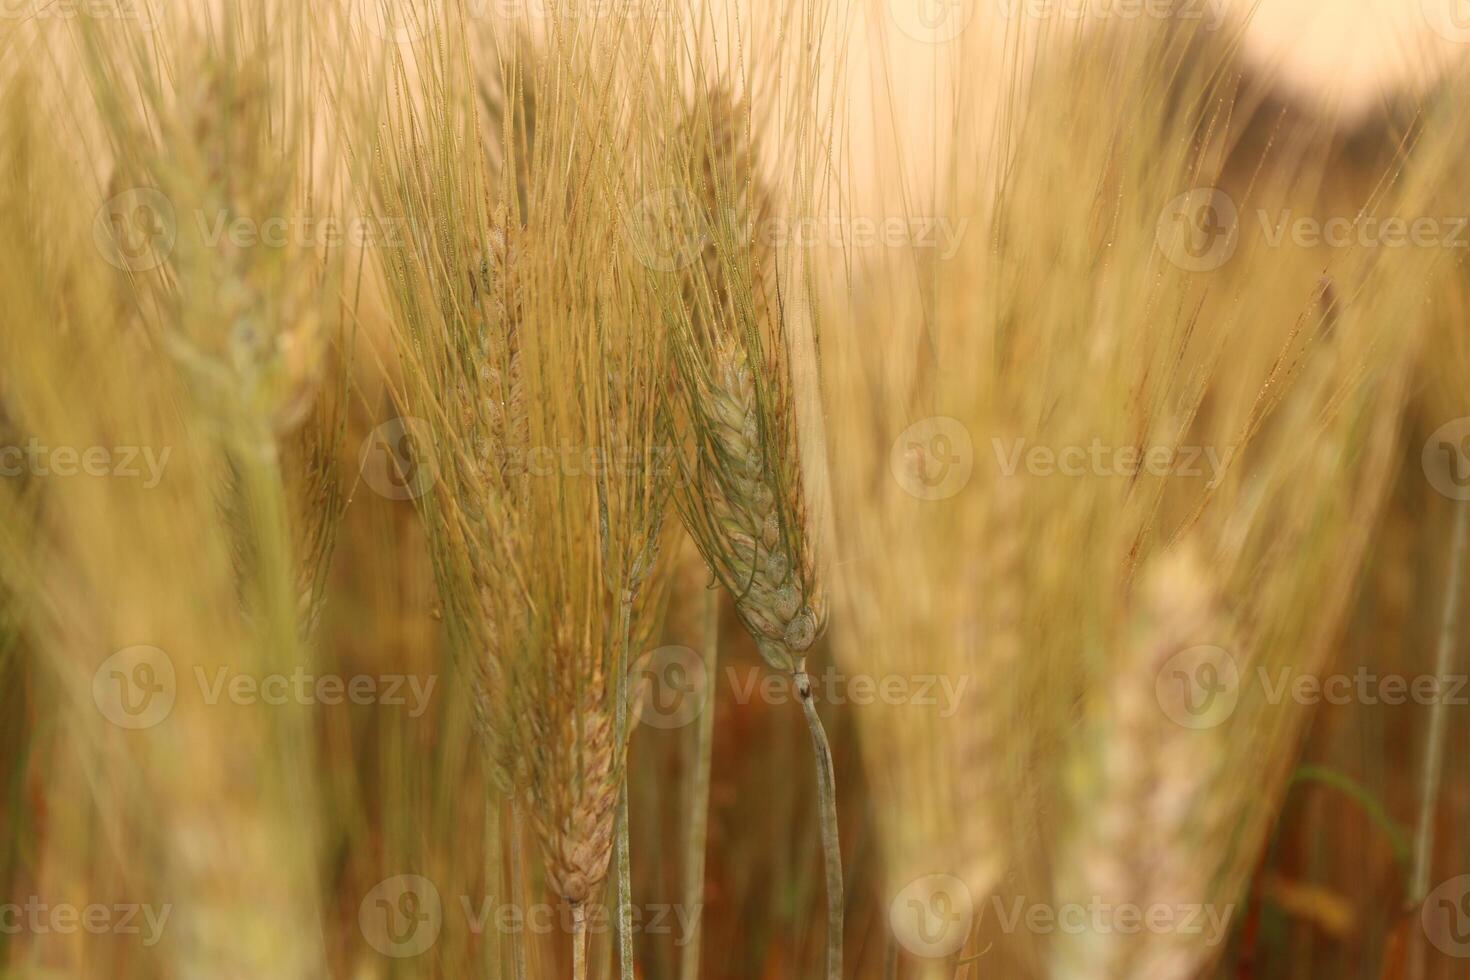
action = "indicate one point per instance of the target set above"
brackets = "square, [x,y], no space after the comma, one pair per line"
[808,489]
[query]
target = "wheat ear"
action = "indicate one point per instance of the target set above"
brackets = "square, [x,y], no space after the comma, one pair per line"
[743,500]
[1147,790]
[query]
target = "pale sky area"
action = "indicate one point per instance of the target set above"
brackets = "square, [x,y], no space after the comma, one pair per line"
[1340,58]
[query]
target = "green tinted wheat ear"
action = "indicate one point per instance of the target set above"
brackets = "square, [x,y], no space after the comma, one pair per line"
[745,508]
[246,319]
[742,497]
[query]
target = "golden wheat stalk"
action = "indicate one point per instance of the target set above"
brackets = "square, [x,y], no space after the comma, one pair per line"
[526,336]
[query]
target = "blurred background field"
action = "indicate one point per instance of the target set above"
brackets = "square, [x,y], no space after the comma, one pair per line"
[309,516]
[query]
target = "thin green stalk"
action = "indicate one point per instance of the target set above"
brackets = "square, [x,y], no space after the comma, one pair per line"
[827,805]
[1430,775]
[1370,805]
[624,859]
[699,792]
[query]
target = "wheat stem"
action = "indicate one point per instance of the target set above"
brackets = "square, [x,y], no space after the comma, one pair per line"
[827,804]
[579,942]
[699,791]
[517,892]
[494,964]
[625,888]
[1432,771]
[624,858]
